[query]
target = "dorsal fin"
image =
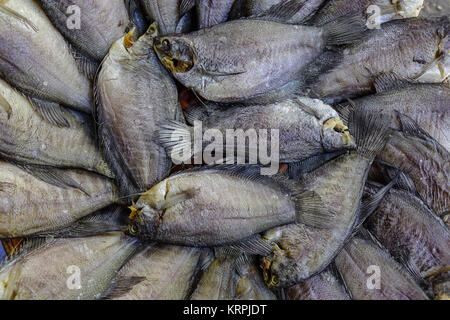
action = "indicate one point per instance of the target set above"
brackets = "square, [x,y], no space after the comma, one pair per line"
[389,81]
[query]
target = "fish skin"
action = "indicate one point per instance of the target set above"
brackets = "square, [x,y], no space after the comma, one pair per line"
[303,251]
[31,206]
[427,104]
[165,12]
[222,281]
[243,66]
[259,7]
[27,137]
[31,277]
[307,127]
[103,22]
[403,221]
[168,272]
[128,114]
[388,10]
[403,47]
[427,164]
[40,62]
[324,286]
[396,283]
[204,208]
[210,13]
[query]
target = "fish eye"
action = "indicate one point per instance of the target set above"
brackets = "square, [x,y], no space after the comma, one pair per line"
[133,229]
[165,45]
[338,130]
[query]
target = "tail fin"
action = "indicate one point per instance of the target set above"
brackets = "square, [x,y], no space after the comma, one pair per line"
[370,131]
[344,30]
[178,140]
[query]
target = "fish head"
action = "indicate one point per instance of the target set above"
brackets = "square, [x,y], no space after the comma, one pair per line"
[336,135]
[175,52]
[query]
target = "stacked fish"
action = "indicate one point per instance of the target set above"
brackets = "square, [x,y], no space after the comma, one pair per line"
[100,205]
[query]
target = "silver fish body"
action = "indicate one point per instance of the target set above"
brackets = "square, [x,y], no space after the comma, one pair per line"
[324,286]
[128,114]
[405,226]
[245,59]
[35,58]
[427,164]
[29,205]
[168,273]
[358,258]
[407,47]
[28,137]
[165,12]
[379,11]
[83,271]
[427,104]
[101,23]
[210,13]
[210,207]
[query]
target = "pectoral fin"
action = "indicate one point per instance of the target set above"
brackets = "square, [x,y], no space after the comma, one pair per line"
[4,9]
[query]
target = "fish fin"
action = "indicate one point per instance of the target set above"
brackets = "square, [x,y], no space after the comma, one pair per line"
[323,64]
[4,104]
[18,16]
[370,203]
[440,58]
[296,169]
[51,112]
[85,65]
[410,127]
[255,245]
[53,176]
[107,220]
[345,110]
[344,30]
[334,270]
[369,130]
[402,255]
[177,138]
[312,211]
[122,286]
[282,11]
[241,263]
[403,181]
[363,233]
[206,257]
[26,246]
[185,6]
[390,81]
[202,111]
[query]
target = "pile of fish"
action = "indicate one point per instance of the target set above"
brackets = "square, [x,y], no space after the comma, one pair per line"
[100,103]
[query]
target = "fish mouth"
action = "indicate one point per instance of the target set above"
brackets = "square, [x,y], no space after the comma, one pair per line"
[338,126]
[134,211]
[270,279]
[130,38]
[163,50]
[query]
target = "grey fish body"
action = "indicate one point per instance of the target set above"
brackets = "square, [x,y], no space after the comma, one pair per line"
[387,10]
[427,104]
[406,47]
[210,13]
[27,137]
[396,283]
[222,281]
[32,277]
[427,164]
[403,222]
[165,12]
[31,206]
[101,23]
[242,59]
[257,7]
[35,58]
[305,251]
[306,127]
[168,273]
[324,286]
[210,207]
[128,114]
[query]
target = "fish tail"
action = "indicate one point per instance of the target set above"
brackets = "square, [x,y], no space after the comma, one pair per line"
[178,140]
[344,30]
[370,131]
